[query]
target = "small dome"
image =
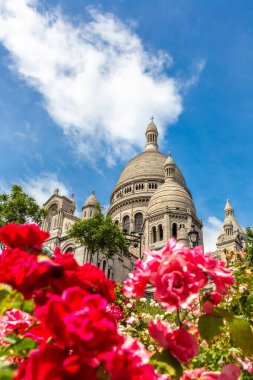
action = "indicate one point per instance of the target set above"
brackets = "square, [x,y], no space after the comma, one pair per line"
[91,200]
[169,160]
[151,127]
[228,223]
[170,195]
[228,206]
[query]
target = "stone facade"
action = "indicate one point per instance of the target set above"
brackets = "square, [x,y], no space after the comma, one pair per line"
[232,237]
[150,203]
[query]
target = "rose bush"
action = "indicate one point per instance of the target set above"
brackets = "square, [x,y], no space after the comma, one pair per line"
[61,320]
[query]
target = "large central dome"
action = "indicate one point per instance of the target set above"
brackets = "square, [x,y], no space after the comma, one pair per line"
[151,199]
[148,164]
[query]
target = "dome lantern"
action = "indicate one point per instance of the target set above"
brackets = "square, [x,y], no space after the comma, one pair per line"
[151,136]
[169,168]
[90,207]
[228,209]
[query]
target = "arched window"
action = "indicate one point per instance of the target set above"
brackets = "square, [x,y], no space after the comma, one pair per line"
[160,232]
[153,234]
[52,217]
[109,272]
[104,265]
[126,224]
[116,222]
[69,249]
[174,230]
[138,220]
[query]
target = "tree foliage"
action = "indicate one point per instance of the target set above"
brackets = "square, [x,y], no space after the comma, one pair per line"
[99,234]
[249,245]
[18,207]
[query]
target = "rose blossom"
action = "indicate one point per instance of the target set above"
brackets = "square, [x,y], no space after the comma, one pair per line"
[88,277]
[246,364]
[115,311]
[178,280]
[14,320]
[215,269]
[180,343]
[229,372]
[177,274]
[130,362]
[27,272]
[50,362]
[80,322]
[27,237]
[211,299]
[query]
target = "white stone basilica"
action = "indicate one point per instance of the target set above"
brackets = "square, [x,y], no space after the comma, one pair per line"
[150,203]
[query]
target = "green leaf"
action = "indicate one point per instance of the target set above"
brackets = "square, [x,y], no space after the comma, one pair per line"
[219,312]
[209,326]
[6,373]
[242,334]
[28,306]
[164,362]
[24,344]
[11,338]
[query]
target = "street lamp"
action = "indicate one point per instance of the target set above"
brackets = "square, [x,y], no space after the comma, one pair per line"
[136,239]
[193,236]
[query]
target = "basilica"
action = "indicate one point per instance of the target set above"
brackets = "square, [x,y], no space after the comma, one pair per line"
[150,203]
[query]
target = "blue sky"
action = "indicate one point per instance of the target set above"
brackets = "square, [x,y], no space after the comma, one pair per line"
[74,125]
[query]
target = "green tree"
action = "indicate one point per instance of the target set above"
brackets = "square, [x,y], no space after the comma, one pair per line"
[18,207]
[99,234]
[249,246]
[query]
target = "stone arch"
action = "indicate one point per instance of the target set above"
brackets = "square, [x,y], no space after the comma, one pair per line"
[69,248]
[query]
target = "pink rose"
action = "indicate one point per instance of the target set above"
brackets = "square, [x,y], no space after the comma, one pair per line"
[14,320]
[178,280]
[180,343]
[221,276]
[230,372]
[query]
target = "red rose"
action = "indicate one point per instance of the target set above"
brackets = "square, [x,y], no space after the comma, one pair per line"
[26,272]
[88,277]
[180,343]
[27,237]
[49,362]
[211,299]
[130,362]
[80,322]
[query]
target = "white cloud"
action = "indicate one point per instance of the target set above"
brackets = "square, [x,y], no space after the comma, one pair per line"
[43,186]
[211,232]
[97,80]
